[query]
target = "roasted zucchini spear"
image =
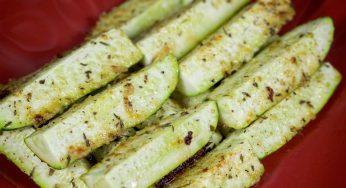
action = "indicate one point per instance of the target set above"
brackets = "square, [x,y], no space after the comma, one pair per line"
[183,32]
[234,166]
[137,16]
[13,147]
[278,125]
[57,86]
[273,74]
[153,152]
[102,117]
[233,44]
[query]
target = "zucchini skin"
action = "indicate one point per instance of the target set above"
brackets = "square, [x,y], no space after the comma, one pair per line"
[13,147]
[281,123]
[102,117]
[183,32]
[137,16]
[234,166]
[156,150]
[275,72]
[233,44]
[50,91]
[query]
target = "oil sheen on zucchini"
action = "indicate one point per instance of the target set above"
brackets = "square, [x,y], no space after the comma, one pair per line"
[13,147]
[57,86]
[282,122]
[235,166]
[153,152]
[233,44]
[273,74]
[183,32]
[137,16]
[102,117]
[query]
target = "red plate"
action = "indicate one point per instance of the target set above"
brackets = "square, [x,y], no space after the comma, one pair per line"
[32,32]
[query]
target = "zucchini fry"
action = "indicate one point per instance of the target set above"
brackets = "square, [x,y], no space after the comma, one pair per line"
[183,32]
[137,16]
[273,74]
[155,151]
[102,117]
[233,44]
[278,125]
[51,90]
[13,147]
[234,166]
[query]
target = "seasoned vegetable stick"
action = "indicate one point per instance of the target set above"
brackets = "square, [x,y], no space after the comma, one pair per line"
[234,166]
[155,151]
[278,125]
[273,74]
[137,16]
[57,86]
[179,35]
[13,147]
[233,44]
[102,117]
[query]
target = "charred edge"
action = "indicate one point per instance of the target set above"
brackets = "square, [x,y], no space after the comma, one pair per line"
[91,159]
[169,178]
[4,93]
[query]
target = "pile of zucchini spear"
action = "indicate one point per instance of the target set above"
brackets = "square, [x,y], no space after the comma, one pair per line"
[217,91]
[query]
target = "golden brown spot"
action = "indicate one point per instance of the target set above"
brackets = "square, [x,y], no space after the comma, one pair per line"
[119,69]
[294,60]
[77,150]
[165,50]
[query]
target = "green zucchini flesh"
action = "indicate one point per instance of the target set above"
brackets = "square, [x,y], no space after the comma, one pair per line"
[156,150]
[102,117]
